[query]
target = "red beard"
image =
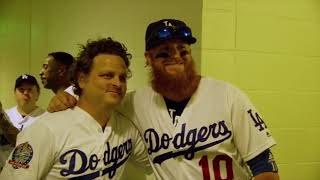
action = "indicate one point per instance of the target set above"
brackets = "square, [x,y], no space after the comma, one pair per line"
[175,87]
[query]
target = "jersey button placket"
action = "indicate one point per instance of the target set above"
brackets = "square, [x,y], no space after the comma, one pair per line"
[105,136]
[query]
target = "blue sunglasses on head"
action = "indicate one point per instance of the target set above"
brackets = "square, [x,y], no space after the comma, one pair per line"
[169,32]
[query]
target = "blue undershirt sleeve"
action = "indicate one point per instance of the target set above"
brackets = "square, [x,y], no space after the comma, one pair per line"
[264,162]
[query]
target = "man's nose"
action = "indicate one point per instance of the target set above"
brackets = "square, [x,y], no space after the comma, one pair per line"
[116,81]
[41,72]
[176,56]
[26,92]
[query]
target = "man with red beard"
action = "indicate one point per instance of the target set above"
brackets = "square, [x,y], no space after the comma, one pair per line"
[194,127]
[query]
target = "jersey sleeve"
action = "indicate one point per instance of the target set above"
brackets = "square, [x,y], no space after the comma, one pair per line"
[32,156]
[251,135]
[126,107]
[139,154]
[70,90]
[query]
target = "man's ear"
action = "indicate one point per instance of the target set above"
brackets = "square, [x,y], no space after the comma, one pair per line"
[82,78]
[62,71]
[147,56]
[38,94]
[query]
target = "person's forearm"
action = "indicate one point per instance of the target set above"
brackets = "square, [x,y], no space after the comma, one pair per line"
[9,131]
[267,176]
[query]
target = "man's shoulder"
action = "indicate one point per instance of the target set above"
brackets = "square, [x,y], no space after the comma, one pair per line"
[13,114]
[216,83]
[123,122]
[57,119]
[11,110]
[126,106]
[71,90]
[122,119]
[144,93]
[37,112]
[40,110]
[211,80]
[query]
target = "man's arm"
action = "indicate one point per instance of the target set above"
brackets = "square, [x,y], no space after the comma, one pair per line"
[61,101]
[267,176]
[33,155]
[252,137]
[9,131]
[140,155]
[264,167]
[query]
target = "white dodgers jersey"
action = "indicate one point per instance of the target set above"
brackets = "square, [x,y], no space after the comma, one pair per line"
[217,132]
[72,145]
[21,122]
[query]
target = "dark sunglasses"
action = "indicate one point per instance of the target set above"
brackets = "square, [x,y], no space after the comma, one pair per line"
[169,32]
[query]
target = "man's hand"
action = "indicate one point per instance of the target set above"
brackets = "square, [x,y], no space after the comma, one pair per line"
[267,176]
[61,101]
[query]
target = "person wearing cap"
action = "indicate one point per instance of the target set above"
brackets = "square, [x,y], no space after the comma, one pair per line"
[206,128]
[91,141]
[194,127]
[26,92]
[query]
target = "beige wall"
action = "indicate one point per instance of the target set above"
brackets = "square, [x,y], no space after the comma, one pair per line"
[271,50]
[33,28]
[14,46]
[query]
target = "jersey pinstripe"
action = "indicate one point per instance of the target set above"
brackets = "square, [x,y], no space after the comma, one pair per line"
[20,123]
[71,144]
[217,132]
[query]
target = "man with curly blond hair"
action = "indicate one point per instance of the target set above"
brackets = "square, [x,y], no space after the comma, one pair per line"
[93,140]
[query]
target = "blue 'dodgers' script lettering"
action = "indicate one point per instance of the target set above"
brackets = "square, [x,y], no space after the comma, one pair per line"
[214,134]
[78,162]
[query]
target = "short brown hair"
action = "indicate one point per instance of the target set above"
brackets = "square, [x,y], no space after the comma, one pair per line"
[92,49]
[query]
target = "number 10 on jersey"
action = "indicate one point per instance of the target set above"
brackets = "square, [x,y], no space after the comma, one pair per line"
[219,159]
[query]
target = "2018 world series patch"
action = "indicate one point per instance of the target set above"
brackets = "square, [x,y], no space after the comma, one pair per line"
[21,156]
